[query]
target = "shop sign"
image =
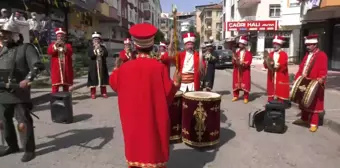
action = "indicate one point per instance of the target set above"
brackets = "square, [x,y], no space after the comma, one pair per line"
[278,33]
[252,25]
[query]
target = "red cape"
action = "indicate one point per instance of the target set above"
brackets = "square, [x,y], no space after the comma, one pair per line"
[145,92]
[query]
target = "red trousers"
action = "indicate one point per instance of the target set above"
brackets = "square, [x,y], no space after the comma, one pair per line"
[55,88]
[311,118]
[236,93]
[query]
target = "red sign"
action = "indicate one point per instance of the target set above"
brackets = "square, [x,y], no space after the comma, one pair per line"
[252,25]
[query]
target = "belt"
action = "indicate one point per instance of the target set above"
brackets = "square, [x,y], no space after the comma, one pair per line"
[187,78]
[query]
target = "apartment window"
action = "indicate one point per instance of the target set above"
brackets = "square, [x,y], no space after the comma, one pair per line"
[146,6]
[131,16]
[274,10]
[219,26]
[208,14]
[218,14]
[294,3]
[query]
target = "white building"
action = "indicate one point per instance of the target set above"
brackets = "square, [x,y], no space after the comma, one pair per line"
[260,19]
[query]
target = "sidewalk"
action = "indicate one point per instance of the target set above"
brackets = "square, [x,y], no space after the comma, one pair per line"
[332,105]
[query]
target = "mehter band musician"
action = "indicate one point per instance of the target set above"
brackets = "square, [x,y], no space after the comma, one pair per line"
[126,54]
[143,107]
[164,55]
[190,64]
[210,57]
[19,66]
[98,74]
[277,75]
[314,67]
[241,75]
[61,62]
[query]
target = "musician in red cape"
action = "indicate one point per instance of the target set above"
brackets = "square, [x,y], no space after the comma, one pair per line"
[61,62]
[164,55]
[313,66]
[277,75]
[126,54]
[241,74]
[190,64]
[143,107]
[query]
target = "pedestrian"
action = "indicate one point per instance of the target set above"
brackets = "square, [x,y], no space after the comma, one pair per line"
[61,62]
[242,59]
[145,92]
[190,64]
[4,14]
[98,75]
[314,66]
[277,74]
[210,58]
[16,101]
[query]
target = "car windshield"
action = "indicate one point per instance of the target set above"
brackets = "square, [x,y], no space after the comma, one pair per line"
[224,52]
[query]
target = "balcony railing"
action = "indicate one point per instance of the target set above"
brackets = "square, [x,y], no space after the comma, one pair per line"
[247,3]
[249,18]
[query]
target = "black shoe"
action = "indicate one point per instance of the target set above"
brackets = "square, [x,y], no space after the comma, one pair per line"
[28,156]
[8,151]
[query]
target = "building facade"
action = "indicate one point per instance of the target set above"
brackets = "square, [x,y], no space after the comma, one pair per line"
[323,20]
[211,25]
[198,11]
[260,20]
[152,10]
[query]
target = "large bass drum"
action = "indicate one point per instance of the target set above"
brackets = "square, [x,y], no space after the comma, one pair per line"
[175,111]
[201,118]
[303,91]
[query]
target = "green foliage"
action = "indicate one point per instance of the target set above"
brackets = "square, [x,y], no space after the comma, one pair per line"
[192,29]
[159,37]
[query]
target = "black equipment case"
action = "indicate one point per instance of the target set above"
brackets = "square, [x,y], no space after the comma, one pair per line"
[275,117]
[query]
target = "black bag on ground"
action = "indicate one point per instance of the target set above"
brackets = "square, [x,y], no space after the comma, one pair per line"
[275,117]
[61,107]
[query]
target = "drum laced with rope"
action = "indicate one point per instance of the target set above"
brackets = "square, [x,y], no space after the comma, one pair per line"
[201,118]
[175,111]
[303,91]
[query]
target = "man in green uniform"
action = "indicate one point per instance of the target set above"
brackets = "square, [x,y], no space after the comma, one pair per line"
[19,65]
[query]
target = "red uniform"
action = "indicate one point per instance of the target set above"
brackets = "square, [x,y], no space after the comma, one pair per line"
[61,76]
[278,80]
[241,75]
[125,56]
[166,60]
[316,67]
[144,108]
[195,75]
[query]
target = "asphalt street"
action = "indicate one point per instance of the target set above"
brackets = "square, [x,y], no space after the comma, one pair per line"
[95,138]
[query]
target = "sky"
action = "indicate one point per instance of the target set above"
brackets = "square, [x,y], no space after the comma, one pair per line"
[184,5]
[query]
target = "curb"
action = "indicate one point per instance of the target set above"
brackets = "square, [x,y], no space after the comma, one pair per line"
[45,97]
[331,124]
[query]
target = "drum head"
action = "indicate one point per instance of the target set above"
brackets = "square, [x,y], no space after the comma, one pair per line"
[178,93]
[202,96]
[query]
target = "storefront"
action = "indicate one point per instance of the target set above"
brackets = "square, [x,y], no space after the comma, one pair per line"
[259,33]
[329,40]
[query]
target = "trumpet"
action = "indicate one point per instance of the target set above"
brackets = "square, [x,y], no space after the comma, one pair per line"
[98,50]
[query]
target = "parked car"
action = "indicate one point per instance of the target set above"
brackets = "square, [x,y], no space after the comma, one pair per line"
[224,59]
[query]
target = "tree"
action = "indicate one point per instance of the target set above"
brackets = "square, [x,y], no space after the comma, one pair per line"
[192,29]
[159,37]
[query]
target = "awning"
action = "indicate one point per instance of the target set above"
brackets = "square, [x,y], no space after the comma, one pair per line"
[88,5]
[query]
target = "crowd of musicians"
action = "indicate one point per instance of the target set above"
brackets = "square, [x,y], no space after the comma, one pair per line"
[142,81]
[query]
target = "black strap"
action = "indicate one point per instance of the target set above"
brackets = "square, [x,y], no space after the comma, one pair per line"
[13,64]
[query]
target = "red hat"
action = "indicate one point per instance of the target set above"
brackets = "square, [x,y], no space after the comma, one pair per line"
[311,39]
[162,44]
[127,41]
[143,35]
[243,40]
[278,40]
[188,37]
[59,31]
